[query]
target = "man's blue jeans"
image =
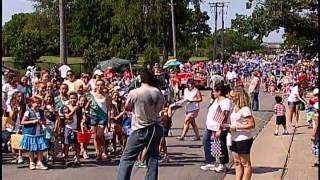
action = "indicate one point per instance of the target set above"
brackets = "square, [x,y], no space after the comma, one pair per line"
[137,141]
[255,101]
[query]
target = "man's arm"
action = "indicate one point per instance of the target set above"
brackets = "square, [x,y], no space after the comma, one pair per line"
[130,101]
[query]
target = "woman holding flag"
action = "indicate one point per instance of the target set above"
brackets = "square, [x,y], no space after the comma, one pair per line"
[215,136]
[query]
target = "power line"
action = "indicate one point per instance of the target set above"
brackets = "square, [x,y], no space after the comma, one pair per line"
[215,6]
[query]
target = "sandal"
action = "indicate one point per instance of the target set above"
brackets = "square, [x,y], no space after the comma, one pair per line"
[180,138]
[104,156]
[98,156]
[196,139]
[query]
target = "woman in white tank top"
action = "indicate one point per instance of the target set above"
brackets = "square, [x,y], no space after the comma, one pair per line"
[99,114]
[193,96]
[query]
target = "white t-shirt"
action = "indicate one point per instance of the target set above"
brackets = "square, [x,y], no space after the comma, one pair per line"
[293,96]
[63,70]
[231,75]
[9,90]
[191,95]
[225,105]
[239,118]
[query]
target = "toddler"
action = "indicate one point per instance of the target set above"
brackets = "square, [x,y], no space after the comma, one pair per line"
[280,113]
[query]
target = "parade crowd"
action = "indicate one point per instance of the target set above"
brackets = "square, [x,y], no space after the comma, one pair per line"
[47,113]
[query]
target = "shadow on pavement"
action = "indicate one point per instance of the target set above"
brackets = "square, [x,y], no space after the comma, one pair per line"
[181,145]
[265,111]
[258,170]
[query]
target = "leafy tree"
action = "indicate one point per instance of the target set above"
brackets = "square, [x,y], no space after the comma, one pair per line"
[29,48]
[11,31]
[151,56]
[299,19]
[184,54]
[96,53]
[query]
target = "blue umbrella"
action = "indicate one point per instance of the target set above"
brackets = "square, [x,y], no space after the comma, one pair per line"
[171,63]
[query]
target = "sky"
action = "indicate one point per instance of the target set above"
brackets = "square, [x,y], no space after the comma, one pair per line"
[11,7]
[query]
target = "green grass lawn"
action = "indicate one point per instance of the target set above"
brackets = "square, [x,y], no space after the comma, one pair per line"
[51,59]
[46,62]
[196,59]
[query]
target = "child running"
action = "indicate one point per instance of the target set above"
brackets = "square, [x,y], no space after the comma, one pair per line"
[280,113]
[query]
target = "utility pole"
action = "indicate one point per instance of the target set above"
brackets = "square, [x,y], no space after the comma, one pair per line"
[217,5]
[173,30]
[196,43]
[63,44]
[222,36]
[215,30]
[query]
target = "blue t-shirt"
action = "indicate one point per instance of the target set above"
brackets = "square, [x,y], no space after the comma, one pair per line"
[126,123]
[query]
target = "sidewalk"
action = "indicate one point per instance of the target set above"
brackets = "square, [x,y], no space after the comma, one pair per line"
[301,161]
[282,157]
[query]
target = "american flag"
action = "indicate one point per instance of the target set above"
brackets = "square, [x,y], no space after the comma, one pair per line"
[219,115]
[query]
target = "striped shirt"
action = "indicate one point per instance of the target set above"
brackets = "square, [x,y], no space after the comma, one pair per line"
[279,110]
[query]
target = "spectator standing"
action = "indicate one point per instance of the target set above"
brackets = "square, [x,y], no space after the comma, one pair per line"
[63,69]
[254,89]
[146,103]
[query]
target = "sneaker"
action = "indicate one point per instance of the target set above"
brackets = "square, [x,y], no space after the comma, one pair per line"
[14,161]
[207,167]
[40,166]
[65,162]
[20,160]
[142,165]
[285,133]
[85,155]
[77,162]
[32,166]
[166,159]
[220,168]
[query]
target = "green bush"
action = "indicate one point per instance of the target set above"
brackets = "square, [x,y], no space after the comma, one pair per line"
[151,56]
[95,53]
[184,54]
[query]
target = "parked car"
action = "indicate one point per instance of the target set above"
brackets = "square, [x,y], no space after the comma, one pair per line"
[200,79]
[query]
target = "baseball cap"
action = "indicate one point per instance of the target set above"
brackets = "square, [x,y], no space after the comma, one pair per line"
[98,72]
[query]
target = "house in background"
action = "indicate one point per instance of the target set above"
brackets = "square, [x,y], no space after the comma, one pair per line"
[271,47]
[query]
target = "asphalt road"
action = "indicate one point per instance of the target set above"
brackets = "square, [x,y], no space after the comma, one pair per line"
[186,156]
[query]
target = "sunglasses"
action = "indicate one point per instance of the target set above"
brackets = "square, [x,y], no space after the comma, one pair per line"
[69,74]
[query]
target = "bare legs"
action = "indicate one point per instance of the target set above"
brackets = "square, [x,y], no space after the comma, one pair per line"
[243,166]
[99,142]
[293,112]
[187,122]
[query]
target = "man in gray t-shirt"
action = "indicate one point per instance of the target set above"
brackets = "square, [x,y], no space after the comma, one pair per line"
[216,79]
[145,102]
